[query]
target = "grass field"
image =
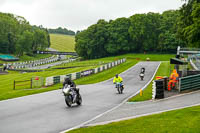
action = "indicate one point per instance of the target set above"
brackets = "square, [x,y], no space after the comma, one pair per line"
[6,81]
[63,43]
[164,70]
[178,121]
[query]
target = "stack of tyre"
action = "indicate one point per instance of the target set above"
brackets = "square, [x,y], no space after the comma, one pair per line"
[165,82]
[159,89]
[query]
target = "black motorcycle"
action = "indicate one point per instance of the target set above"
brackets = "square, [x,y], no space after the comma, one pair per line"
[142,73]
[72,95]
[120,87]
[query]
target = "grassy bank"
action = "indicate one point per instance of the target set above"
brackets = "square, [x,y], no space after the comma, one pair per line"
[61,42]
[164,70]
[178,121]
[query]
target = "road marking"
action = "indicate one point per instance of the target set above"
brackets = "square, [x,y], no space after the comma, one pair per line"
[132,117]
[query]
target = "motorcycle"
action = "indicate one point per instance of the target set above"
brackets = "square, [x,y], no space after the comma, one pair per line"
[142,76]
[142,73]
[120,87]
[71,95]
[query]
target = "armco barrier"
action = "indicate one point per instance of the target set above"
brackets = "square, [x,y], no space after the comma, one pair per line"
[62,78]
[99,69]
[96,70]
[78,75]
[189,82]
[56,79]
[69,76]
[73,76]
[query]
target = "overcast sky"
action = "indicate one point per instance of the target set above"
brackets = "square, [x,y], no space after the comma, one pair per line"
[79,14]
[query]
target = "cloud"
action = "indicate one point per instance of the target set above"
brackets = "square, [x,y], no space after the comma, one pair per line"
[2,2]
[79,14]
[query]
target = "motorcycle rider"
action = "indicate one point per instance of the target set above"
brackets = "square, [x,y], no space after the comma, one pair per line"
[72,86]
[142,70]
[117,78]
[69,82]
[142,73]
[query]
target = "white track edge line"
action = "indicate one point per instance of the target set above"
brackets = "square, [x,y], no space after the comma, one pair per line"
[132,117]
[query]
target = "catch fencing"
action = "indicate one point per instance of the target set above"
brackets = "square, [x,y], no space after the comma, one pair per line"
[59,79]
[30,64]
[189,83]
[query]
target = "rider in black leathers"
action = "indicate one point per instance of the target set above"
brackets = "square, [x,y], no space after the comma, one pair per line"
[69,82]
[142,70]
[72,86]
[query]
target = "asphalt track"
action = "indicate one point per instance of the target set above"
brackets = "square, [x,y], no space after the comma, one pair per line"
[47,112]
[137,109]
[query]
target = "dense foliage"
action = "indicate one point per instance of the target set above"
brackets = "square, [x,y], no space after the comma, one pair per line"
[18,37]
[151,32]
[61,30]
[189,23]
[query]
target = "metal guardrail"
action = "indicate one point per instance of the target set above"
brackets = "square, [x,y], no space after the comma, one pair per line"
[189,83]
[56,53]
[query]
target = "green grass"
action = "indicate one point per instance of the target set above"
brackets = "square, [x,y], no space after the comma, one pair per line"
[6,81]
[178,121]
[153,57]
[64,43]
[164,70]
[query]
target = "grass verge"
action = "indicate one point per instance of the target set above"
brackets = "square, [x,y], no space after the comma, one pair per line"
[164,70]
[178,121]
[61,42]
[6,81]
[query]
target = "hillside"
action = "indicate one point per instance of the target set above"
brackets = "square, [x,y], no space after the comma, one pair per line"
[62,42]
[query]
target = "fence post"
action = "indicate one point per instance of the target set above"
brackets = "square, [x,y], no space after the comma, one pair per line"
[31,83]
[14,85]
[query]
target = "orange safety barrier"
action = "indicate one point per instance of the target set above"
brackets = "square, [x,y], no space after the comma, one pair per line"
[159,77]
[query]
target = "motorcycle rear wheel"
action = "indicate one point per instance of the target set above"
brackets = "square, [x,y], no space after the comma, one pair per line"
[79,101]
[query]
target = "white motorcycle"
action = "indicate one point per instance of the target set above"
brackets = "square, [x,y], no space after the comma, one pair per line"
[71,95]
[142,73]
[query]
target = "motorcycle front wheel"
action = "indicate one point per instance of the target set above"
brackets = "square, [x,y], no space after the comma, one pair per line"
[68,100]
[119,89]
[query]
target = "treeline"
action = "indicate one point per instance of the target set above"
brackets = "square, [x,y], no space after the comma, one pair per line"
[60,30]
[151,32]
[18,37]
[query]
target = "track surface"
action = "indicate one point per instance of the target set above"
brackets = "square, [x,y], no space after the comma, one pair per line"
[47,112]
[138,109]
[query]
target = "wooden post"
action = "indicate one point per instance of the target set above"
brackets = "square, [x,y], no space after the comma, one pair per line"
[31,83]
[14,85]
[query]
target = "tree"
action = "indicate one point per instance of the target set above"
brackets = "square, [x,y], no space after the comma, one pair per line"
[61,30]
[119,41]
[189,23]
[168,40]
[24,43]
[17,36]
